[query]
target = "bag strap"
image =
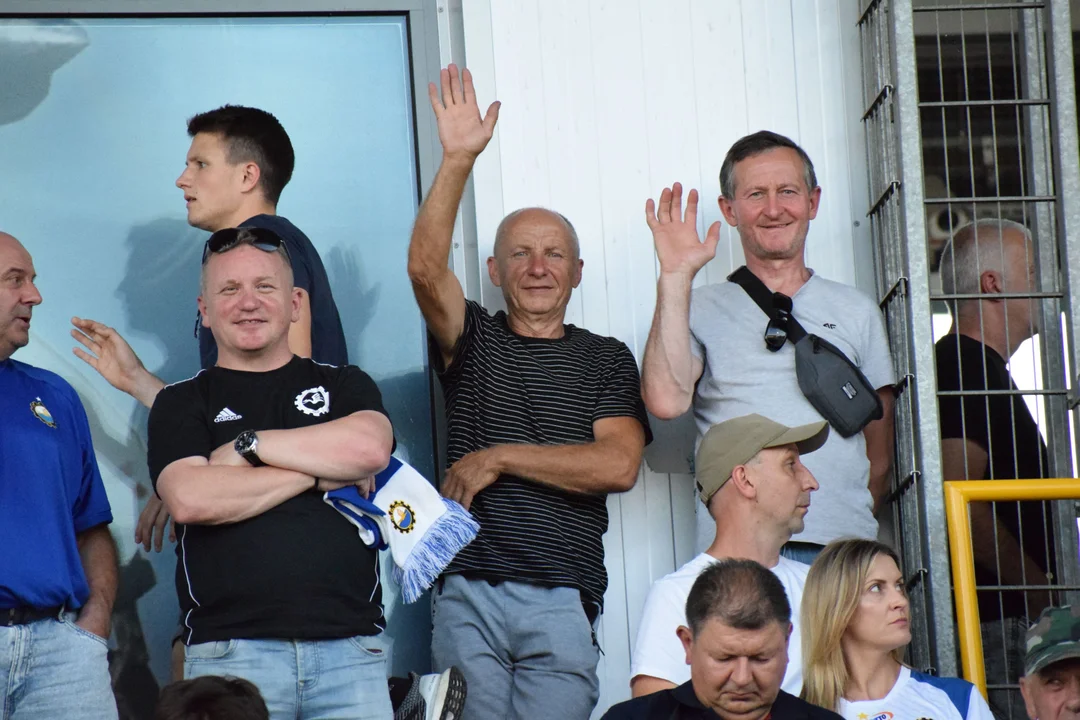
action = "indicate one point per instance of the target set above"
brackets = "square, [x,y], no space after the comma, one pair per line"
[763,297]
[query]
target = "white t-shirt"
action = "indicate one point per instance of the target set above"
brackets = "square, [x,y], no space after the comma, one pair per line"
[917,696]
[659,652]
[741,376]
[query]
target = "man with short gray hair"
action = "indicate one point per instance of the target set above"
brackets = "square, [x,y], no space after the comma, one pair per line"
[751,479]
[735,638]
[993,436]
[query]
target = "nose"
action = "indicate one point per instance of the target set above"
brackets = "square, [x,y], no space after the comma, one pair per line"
[741,675]
[772,205]
[32,296]
[249,299]
[809,481]
[538,265]
[183,181]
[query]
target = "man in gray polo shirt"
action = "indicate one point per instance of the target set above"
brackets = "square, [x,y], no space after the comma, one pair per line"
[706,348]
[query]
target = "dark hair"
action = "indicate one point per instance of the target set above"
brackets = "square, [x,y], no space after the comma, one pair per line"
[211,698]
[759,142]
[741,594]
[251,135]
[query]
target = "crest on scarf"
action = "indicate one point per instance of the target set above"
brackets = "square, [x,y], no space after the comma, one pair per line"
[402,516]
[42,413]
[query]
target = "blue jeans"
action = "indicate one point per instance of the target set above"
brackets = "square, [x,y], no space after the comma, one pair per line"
[343,679]
[526,651]
[53,669]
[803,552]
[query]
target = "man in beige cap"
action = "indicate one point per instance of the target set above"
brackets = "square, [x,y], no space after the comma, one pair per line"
[1051,682]
[751,479]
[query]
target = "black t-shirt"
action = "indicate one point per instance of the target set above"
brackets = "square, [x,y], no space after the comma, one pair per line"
[681,702]
[297,571]
[1002,425]
[327,337]
[504,388]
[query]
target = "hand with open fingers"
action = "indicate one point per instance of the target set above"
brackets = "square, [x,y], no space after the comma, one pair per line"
[470,475]
[153,520]
[678,246]
[462,132]
[109,354]
[226,455]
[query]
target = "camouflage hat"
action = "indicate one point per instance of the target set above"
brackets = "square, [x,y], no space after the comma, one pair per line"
[1056,636]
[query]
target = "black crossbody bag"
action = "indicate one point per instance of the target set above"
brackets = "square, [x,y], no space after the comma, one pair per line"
[834,385]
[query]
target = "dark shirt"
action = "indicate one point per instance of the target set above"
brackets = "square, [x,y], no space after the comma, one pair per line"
[327,337]
[298,570]
[1002,426]
[503,388]
[682,704]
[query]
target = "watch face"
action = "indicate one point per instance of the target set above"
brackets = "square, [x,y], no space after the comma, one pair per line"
[245,442]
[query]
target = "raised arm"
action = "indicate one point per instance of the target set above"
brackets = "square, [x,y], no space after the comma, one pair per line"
[114,359]
[669,369]
[463,135]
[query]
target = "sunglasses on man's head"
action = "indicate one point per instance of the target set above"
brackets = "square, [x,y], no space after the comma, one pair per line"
[776,330]
[227,239]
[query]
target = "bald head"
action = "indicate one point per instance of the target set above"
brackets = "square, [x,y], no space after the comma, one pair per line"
[536,217]
[985,245]
[18,295]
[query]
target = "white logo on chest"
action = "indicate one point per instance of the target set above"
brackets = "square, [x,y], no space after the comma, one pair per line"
[313,401]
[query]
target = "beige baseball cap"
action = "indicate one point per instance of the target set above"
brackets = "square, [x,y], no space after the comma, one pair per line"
[736,441]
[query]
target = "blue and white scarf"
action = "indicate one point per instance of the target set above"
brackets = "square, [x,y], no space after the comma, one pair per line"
[423,530]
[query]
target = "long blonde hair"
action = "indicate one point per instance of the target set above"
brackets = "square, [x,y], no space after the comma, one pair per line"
[830,599]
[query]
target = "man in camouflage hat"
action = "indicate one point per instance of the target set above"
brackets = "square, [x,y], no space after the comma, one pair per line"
[1051,682]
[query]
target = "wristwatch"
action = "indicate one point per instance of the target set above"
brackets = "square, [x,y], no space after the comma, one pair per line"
[246,445]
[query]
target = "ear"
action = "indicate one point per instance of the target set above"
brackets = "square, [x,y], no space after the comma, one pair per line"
[815,201]
[991,282]
[577,273]
[202,311]
[727,211]
[687,639]
[1028,694]
[250,176]
[743,482]
[493,271]
[297,303]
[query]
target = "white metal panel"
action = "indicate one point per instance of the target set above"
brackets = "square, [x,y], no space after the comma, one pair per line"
[605,102]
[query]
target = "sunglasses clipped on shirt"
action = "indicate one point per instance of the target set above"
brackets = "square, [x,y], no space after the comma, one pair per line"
[261,238]
[777,329]
[228,238]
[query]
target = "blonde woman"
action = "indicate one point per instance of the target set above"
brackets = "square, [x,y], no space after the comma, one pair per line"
[855,628]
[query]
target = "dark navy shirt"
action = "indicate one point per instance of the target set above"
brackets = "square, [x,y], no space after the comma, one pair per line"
[327,337]
[50,489]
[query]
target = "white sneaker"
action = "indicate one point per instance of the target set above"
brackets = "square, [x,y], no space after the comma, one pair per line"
[444,694]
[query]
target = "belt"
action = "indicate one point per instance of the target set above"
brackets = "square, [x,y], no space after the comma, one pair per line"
[26,615]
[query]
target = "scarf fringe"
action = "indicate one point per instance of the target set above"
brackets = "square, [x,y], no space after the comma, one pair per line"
[451,532]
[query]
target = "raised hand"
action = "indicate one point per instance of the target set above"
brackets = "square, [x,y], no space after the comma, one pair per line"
[114,359]
[462,132]
[675,234]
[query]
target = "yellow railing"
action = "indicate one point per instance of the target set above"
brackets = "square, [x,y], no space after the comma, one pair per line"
[958,493]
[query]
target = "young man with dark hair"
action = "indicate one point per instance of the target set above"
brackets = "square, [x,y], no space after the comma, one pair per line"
[738,622]
[211,698]
[274,585]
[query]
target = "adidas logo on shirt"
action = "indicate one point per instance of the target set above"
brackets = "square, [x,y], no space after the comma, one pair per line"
[227,415]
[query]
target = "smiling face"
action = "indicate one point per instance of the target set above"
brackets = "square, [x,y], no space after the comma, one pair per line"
[248,302]
[737,672]
[881,617]
[771,205]
[18,295]
[783,486]
[213,187]
[535,264]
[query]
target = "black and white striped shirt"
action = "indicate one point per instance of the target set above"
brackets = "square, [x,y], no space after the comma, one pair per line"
[504,388]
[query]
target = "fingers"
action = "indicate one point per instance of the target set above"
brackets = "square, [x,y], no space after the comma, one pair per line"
[691,207]
[159,527]
[86,357]
[456,90]
[712,238]
[444,83]
[663,212]
[676,202]
[467,92]
[433,96]
[650,214]
[491,117]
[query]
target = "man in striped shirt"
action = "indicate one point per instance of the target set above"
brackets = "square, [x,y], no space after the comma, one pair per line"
[543,420]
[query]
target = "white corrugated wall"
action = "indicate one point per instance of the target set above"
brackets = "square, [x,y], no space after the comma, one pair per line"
[607,101]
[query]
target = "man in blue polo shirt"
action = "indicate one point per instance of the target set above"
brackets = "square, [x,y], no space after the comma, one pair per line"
[57,559]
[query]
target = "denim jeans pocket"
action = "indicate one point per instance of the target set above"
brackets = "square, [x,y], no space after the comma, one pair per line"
[209,651]
[370,645]
[70,624]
